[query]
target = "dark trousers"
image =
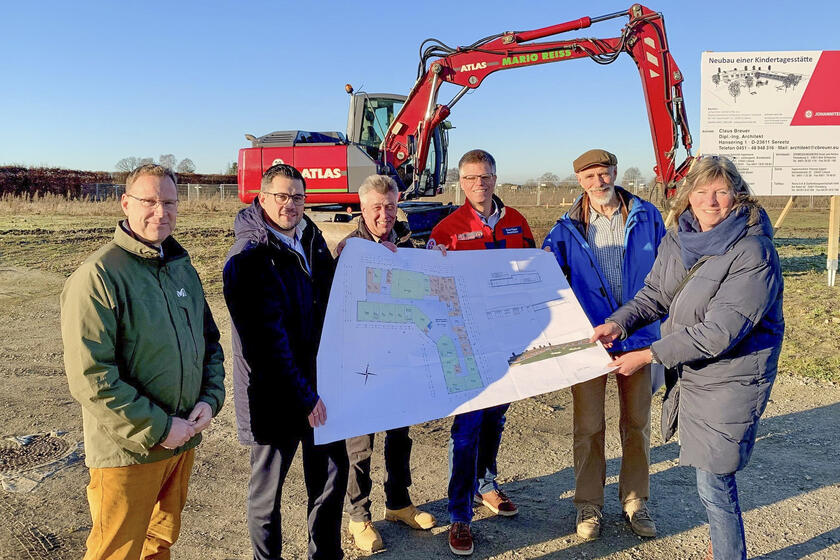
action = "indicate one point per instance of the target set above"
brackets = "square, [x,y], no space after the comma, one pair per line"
[325,475]
[473,446]
[397,473]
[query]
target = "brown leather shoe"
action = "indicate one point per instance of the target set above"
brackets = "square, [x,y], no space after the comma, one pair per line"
[497,502]
[460,539]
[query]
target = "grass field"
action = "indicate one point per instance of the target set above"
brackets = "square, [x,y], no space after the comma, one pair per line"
[54,234]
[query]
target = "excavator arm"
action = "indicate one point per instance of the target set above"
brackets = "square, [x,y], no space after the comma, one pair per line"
[407,141]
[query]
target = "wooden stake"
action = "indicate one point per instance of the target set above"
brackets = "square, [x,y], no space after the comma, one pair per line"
[784,214]
[833,239]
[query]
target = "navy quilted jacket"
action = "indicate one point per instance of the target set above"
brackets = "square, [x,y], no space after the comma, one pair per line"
[277,311]
[723,335]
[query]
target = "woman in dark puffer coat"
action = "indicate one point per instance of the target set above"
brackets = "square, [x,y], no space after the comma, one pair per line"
[717,277]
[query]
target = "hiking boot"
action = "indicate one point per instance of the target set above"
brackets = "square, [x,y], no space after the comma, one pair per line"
[411,516]
[497,502]
[460,539]
[638,516]
[365,536]
[588,521]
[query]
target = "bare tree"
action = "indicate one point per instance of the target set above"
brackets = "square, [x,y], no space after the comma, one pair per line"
[168,160]
[452,175]
[631,179]
[146,161]
[127,164]
[549,179]
[186,166]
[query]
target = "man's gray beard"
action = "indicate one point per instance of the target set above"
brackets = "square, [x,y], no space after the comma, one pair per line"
[602,200]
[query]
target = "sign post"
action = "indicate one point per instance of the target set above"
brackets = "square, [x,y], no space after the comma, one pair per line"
[833,238]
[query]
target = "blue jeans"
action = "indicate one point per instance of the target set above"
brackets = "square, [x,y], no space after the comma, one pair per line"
[719,494]
[473,446]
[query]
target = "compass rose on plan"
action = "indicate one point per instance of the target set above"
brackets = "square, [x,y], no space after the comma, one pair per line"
[367,373]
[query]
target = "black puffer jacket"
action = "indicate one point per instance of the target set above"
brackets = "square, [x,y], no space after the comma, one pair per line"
[277,312]
[723,335]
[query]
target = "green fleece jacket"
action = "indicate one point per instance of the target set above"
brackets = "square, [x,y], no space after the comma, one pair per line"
[140,346]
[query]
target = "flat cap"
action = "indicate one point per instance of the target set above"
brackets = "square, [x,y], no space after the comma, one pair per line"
[594,157]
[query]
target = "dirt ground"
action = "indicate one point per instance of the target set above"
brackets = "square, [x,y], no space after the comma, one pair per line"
[790,491]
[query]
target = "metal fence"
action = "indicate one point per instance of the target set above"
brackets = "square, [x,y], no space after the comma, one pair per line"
[204,192]
[515,195]
[564,194]
[110,191]
[101,191]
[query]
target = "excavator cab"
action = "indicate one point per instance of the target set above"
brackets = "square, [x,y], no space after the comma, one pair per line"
[368,120]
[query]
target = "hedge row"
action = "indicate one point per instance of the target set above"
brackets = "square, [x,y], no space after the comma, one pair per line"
[38,181]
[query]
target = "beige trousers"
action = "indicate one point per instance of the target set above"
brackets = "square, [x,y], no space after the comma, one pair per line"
[634,396]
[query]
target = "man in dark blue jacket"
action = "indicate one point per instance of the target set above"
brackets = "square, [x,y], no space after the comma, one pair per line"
[276,284]
[606,244]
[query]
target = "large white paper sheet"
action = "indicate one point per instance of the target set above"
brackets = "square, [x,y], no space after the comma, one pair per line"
[413,336]
[777,116]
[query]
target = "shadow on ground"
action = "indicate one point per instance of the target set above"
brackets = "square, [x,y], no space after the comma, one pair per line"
[770,478]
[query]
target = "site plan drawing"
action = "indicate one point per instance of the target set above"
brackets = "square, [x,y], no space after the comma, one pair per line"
[414,335]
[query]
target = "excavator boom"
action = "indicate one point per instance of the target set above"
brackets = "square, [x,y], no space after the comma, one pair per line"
[407,141]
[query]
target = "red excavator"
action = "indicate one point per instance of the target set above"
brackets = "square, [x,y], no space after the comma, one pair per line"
[406,137]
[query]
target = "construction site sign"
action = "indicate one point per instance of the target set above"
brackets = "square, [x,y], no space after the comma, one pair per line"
[777,116]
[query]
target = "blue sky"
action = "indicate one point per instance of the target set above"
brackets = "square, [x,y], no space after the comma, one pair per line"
[85,84]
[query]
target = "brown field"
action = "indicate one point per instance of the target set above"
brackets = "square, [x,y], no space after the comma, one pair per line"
[790,491]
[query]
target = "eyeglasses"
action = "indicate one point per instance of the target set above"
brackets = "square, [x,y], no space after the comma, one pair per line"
[283,198]
[476,178]
[154,203]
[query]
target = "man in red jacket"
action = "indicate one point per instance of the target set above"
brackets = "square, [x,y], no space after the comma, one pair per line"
[483,222]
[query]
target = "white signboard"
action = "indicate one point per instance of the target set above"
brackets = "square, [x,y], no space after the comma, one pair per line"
[413,336]
[777,116]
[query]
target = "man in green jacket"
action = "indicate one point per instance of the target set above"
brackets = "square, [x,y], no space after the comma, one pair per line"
[142,356]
